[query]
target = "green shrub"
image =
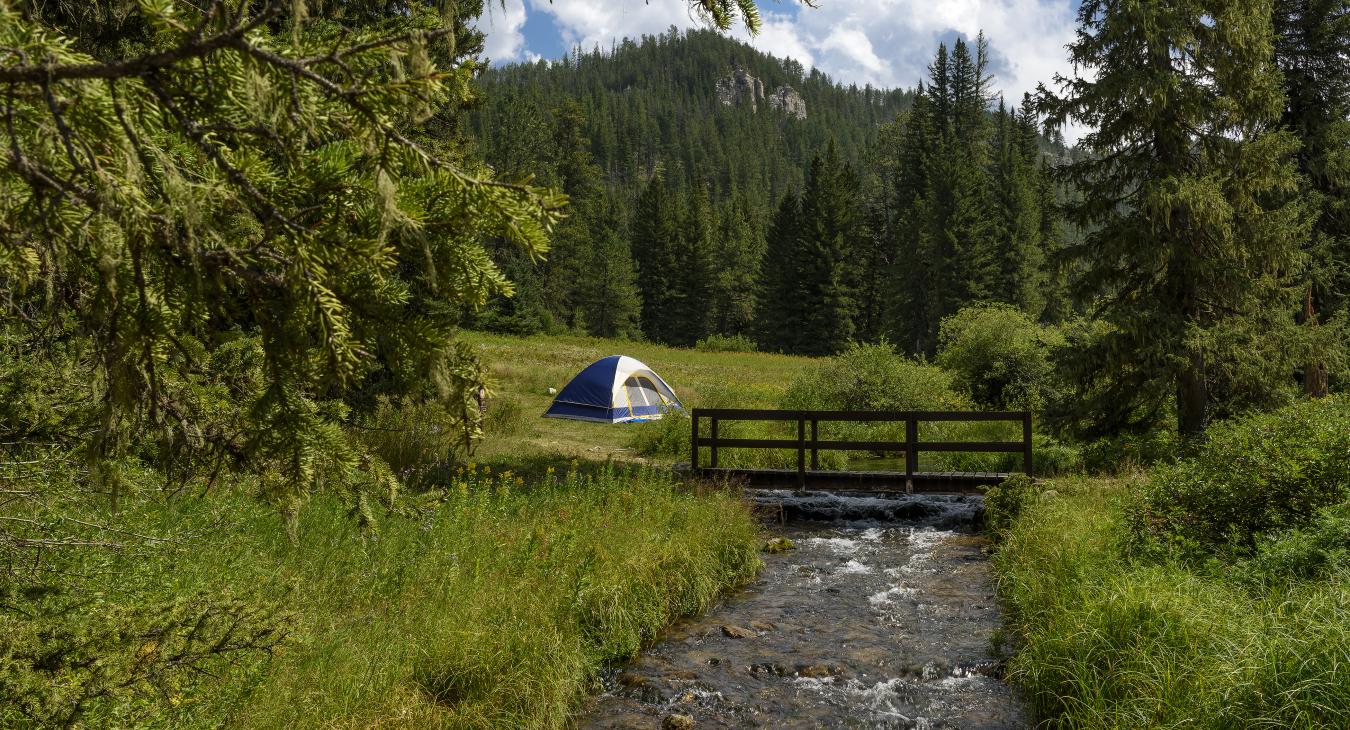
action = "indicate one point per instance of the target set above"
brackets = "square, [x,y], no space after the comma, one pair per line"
[1000,356]
[1252,476]
[413,438]
[1128,452]
[666,437]
[870,377]
[726,343]
[1314,552]
[873,377]
[1052,457]
[1004,503]
[505,417]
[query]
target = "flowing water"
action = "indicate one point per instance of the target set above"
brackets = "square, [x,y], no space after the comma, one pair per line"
[880,618]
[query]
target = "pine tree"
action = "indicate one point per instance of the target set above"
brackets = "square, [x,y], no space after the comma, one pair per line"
[736,258]
[691,316]
[1018,220]
[216,183]
[914,314]
[1312,48]
[951,240]
[874,256]
[1190,255]
[654,232]
[825,243]
[611,306]
[778,302]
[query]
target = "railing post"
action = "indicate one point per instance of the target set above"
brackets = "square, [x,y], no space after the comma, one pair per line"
[911,451]
[815,453]
[1027,463]
[714,442]
[801,454]
[693,442]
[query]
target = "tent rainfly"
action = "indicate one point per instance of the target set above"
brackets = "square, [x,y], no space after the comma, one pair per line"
[615,389]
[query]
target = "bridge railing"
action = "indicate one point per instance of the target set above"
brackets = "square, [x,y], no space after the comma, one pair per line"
[810,442]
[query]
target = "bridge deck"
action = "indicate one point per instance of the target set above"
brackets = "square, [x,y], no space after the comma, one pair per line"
[866,481]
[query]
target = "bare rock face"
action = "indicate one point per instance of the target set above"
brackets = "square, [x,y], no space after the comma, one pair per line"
[740,88]
[786,99]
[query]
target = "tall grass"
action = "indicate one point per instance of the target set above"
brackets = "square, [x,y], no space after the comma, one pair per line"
[492,604]
[1109,642]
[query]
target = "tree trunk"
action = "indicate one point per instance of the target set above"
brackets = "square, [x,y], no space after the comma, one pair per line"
[1192,385]
[1315,378]
[1193,395]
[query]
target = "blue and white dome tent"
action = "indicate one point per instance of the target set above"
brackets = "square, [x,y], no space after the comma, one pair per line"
[616,389]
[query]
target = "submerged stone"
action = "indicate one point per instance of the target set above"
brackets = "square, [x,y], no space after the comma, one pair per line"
[677,722]
[779,545]
[738,632]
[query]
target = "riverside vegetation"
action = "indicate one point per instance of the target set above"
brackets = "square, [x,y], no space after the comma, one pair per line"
[1212,592]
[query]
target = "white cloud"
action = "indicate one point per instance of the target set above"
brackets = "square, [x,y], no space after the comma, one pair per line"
[1027,38]
[886,43]
[778,36]
[588,23]
[503,27]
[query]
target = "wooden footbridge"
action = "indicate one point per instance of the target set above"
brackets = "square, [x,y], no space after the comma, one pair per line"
[808,443]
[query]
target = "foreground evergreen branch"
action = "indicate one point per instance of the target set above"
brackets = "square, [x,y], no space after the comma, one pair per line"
[246,171]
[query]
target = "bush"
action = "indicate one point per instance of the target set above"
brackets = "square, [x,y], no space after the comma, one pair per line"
[1000,356]
[873,378]
[1004,503]
[1054,458]
[1128,452]
[1311,553]
[413,438]
[666,437]
[1252,476]
[505,417]
[726,343]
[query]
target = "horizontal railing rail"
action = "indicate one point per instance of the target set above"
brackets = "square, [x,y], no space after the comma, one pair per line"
[813,445]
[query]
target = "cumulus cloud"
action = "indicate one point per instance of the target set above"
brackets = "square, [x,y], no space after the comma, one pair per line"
[504,31]
[890,43]
[590,23]
[885,43]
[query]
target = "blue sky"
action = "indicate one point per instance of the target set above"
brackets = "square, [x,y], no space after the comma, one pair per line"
[886,43]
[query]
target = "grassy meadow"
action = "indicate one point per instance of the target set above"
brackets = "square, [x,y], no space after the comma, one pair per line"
[523,369]
[864,378]
[491,602]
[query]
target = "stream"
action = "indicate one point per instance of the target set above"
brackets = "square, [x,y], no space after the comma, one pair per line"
[881,617]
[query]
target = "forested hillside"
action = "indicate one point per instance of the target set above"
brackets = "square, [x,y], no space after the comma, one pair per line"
[718,191]
[653,103]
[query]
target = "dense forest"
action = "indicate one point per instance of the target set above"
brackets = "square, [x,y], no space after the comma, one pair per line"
[881,213]
[689,193]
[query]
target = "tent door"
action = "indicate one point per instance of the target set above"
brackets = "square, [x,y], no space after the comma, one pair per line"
[641,392]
